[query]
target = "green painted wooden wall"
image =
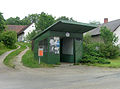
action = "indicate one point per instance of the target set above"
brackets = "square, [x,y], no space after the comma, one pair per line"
[78,50]
[52,58]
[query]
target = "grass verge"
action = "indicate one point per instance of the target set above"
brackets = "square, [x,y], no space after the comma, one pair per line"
[3,48]
[9,59]
[29,61]
[115,63]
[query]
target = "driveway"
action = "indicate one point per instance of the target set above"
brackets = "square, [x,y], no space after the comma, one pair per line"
[66,76]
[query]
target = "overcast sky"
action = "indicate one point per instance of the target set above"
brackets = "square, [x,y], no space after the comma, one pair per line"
[80,10]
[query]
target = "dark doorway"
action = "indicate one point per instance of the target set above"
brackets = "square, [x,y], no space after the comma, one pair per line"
[66,50]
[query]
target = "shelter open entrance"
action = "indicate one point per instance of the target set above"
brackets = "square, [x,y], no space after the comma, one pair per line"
[66,50]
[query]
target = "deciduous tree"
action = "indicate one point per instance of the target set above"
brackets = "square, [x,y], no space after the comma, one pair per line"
[65,18]
[9,38]
[2,22]
[108,36]
[44,21]
[14,21]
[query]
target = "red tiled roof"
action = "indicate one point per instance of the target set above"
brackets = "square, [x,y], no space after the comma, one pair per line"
[16,28]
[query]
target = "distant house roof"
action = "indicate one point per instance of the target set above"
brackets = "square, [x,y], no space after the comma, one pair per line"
[26,26]
[112,25]
[17,28]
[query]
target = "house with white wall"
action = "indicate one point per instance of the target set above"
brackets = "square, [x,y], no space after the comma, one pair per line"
[24,32]
[114,27]
[21,30]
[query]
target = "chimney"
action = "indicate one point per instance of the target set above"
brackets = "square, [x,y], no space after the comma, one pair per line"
[105,20]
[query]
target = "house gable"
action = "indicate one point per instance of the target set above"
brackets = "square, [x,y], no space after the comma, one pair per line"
[29,29]
[117,33]
[112,25]
[24,32]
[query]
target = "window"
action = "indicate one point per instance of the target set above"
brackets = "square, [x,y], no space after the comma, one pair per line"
[44,45]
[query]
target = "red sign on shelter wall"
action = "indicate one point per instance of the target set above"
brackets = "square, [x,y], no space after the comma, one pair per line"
[40,52]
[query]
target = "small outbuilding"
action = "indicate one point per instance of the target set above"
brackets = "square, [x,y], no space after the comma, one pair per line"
[61,42]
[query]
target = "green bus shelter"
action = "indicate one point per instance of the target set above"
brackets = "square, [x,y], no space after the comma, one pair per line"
[61,42]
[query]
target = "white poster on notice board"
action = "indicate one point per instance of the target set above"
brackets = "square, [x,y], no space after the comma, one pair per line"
[55,45]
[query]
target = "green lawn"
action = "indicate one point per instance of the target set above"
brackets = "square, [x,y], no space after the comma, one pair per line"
[29,61]
[9,59]
[3,49]
[115,63]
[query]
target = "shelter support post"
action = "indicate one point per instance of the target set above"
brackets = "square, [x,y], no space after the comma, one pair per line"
[74,50]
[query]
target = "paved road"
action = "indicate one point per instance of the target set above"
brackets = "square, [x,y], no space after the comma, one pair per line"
[66,76]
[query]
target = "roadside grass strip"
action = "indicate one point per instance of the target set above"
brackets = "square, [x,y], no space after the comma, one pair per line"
[115,63]
[10,58]
[29,61]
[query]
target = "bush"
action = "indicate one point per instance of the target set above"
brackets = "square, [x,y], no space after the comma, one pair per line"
[31,35]
[92,49]
[92,54]
[87,38]
[9,38]
[100,52]
[94,59]
[0,37]
[3,48]
[109,51]
[108,36]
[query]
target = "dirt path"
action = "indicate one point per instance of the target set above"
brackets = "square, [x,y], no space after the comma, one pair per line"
[17,61]
[3,67]
[64,67]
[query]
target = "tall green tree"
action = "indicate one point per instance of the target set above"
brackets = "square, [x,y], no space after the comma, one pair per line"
[44,21]
[109,48]
[65,18]
[108,36]
[87,38]
[2,25]
[30,19]
[13,21]
[33,18]
[2,22]
[25,21]
[31,35]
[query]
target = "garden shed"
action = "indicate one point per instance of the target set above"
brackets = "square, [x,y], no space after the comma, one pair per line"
[61,42]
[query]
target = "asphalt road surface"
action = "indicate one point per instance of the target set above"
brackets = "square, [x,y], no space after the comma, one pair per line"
[66,76]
